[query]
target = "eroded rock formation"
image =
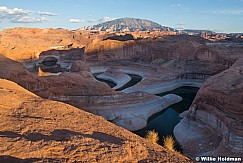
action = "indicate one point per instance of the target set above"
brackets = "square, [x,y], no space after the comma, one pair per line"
[214,121]
[188,52]
[79,88]
[21,44]
[218,105]
[80,83]
[117,77]
[33,129]
[163,61]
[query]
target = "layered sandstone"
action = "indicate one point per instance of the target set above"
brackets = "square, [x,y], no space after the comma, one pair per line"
[79,81]
[154,80]
[130,111]
[21,44]
[33,129]
[186,60]
[164,62]
[117,77]
[79,88]
[214,121]
[189,53]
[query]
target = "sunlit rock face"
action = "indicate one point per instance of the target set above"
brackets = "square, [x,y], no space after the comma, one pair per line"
[79,81]
[213,123]
[21,44]
[190,52]
[157,57]
[217,109]
[51,131]
[54,62]
[79,88]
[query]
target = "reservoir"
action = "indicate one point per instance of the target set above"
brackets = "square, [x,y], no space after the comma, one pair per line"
[110,83]
[134,80]
[165,121]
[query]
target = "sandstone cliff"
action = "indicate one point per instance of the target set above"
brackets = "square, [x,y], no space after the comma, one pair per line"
[79,81]
[218,105]
[27,43]
[187,53]
[214,120]
[158,58]
[36,130]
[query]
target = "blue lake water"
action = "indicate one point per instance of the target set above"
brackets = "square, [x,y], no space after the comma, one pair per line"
[110,83]
[134,80]
[165,121]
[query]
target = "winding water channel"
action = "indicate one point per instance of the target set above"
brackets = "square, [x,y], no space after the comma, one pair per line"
[110,83]
[164,121]
[134,80]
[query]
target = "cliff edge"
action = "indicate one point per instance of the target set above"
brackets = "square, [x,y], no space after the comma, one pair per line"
[33,129]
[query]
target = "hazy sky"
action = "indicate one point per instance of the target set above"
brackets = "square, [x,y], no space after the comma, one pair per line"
[217,15]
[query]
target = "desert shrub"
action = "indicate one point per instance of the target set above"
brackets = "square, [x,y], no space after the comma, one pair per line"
[169,143]
[152,136]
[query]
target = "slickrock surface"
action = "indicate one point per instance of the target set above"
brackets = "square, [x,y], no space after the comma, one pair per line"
[21,44]
[79,88]
[188,53]
[28,43]
[130,111]
[117,77]
[36,130]
[157,88]
[154,80]
[186,60]
[79,82]
[213,124]
[163,61]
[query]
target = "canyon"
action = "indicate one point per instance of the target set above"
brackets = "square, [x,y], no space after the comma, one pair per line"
[34,129]
[58,65]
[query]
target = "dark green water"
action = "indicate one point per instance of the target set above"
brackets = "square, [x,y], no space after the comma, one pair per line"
[165,121]
[134,80]
[110,83]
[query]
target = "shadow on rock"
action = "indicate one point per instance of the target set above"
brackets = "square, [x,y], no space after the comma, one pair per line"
[102,137]
[63,135]
[11,159]
[56,135]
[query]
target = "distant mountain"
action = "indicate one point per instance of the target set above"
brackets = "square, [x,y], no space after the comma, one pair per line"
[128,24]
